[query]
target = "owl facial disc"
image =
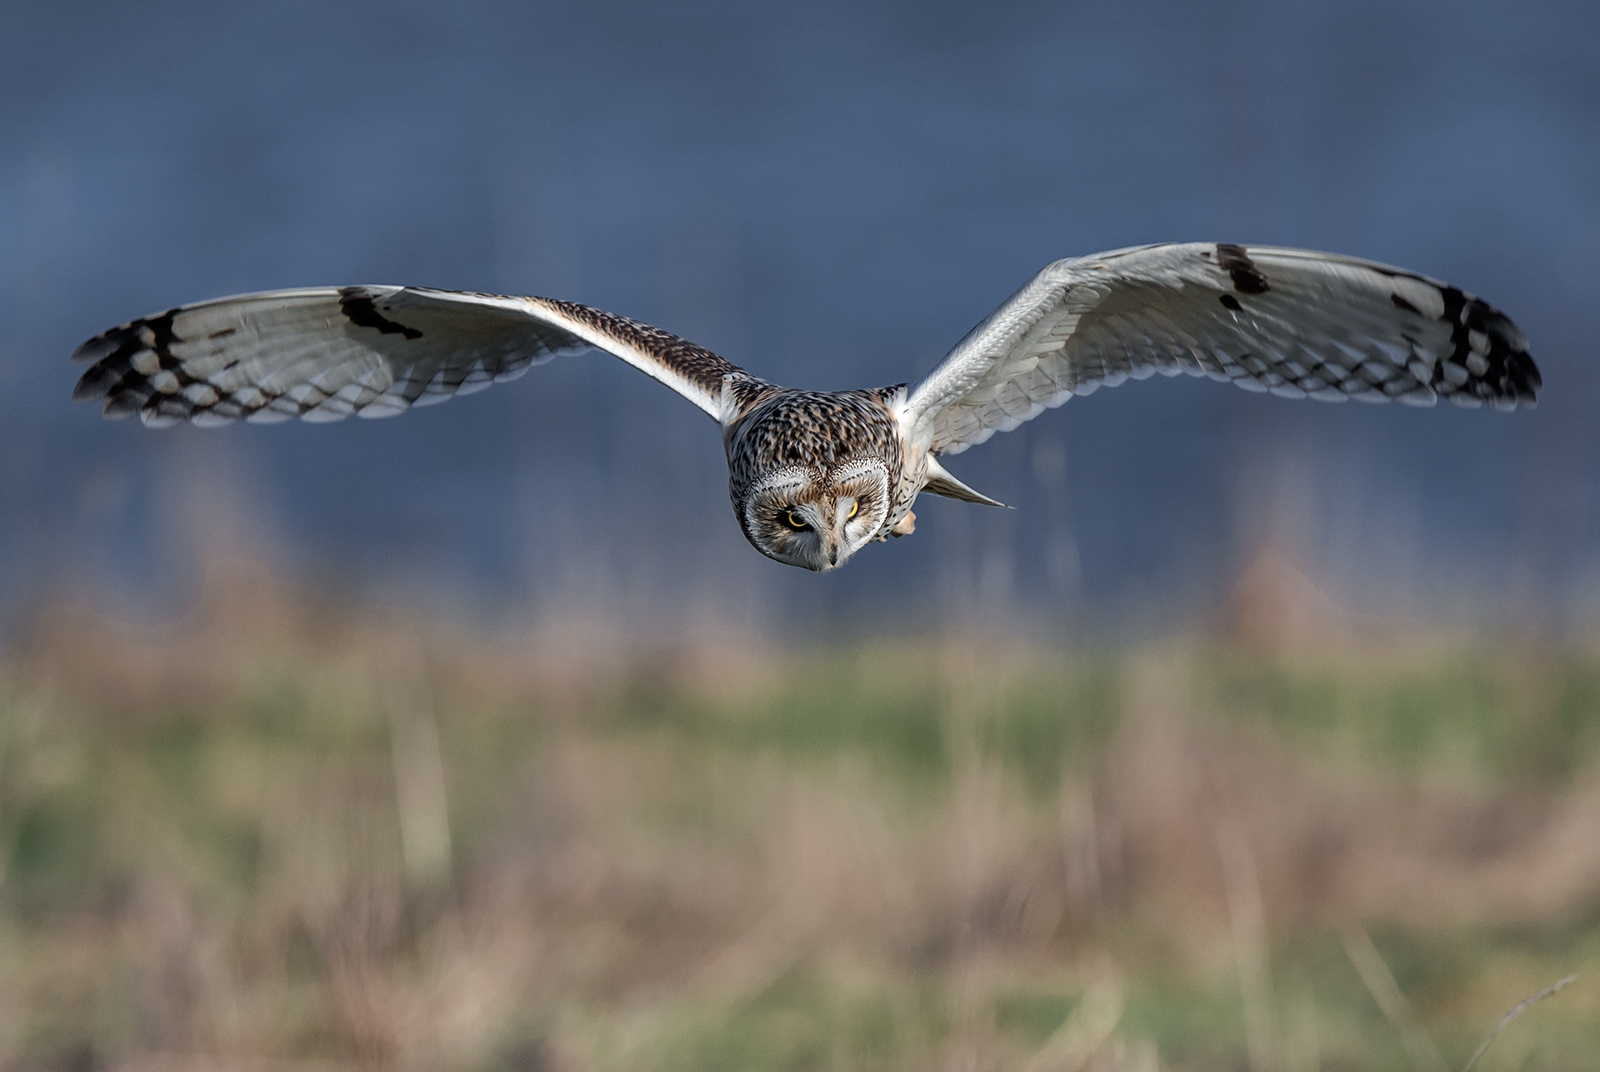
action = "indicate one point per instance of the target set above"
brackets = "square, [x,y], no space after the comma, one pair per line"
[817,518]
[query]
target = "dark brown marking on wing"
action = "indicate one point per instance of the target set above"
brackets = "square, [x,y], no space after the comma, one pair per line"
[356,304]
[1246,277]
[1230,302]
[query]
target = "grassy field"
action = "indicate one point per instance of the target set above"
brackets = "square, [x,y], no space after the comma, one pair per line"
[287,835]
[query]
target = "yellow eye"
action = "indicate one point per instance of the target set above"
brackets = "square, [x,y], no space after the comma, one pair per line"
[855,508]
[796,521]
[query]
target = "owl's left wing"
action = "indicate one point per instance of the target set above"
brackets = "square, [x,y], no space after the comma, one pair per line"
[325,353]
[1292,322]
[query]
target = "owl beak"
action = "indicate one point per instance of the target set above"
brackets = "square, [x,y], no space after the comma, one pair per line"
[830,549]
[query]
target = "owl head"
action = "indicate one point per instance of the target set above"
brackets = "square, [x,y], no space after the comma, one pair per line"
[816,517]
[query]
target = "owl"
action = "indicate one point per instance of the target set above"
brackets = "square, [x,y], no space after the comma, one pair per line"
[817,475]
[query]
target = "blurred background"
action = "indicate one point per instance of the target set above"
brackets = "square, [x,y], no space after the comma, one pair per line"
[1260,735]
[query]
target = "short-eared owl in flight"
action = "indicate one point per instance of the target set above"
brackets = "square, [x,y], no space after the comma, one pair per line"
[816,475]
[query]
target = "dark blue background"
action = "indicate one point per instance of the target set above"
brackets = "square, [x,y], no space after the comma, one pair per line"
[829,195]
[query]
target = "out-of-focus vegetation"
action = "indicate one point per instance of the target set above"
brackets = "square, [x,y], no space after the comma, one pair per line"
[288,835]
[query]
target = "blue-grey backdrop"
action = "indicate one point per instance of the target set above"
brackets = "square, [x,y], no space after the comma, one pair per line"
[829,194]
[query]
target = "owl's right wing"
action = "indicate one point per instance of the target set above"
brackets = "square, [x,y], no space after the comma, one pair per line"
[1292,322]
[325,353]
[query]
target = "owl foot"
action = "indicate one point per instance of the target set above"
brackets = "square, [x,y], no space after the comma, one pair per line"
[905,526]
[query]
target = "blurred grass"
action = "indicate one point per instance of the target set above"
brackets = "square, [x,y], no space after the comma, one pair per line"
[220,848]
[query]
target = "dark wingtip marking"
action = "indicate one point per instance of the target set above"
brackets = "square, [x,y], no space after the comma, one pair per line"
[1511,372]
[356,304]
[1229,302]
[98,347]
[112,377]
[1247,278]
[95,383]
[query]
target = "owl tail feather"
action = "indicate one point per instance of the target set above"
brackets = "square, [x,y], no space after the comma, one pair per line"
[940,482]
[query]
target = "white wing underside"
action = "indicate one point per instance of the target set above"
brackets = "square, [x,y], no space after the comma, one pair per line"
[1292,322]
[323,354]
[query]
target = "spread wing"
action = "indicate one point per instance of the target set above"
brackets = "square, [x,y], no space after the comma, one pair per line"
[1288,321]
[325,353]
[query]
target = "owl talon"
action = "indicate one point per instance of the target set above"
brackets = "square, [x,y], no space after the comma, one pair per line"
[905,526]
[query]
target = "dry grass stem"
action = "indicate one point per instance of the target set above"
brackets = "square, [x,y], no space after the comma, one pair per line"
[1247,920]
[1522,1006]
[1090,1026]
[1380,984]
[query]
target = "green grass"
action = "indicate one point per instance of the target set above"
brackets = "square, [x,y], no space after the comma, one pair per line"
[801,1023]
[1053,715]
[1508,714]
